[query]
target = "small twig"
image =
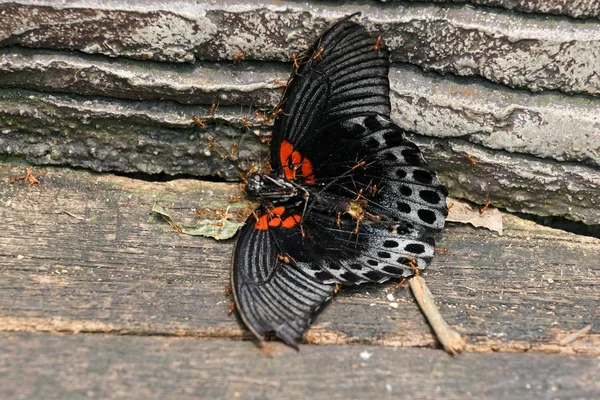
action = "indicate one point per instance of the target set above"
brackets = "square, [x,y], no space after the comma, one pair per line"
[70,214]
[576,335]
[451,340]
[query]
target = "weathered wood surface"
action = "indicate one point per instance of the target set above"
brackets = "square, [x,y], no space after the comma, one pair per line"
[81,253]
[93,75]
[431,105]
[103,366]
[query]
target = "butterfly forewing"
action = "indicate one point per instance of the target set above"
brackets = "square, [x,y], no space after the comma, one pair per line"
[347,80]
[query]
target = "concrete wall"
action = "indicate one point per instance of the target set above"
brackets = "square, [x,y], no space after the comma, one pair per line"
[112,86]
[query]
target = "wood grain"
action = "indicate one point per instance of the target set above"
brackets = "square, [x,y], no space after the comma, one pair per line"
[81,253]
[108,367]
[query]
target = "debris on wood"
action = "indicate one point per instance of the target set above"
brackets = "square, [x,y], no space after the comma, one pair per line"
[451,340]
[29,178]
[219,229]
[576,335]
[465,213]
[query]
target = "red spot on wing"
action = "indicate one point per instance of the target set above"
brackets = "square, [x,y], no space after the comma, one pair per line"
[273,219]
[285,152]
[296,158]
[292,161]
[275,222]
[263,223]
[307,171]
[278,210]
[291,221]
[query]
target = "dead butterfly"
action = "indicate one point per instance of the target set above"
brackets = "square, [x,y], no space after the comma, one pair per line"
[349,199]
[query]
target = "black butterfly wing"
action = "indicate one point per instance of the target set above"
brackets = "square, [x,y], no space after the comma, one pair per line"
[335,129]
[389,171]
[342,77]
[272,295]
[276,296]
[404,204]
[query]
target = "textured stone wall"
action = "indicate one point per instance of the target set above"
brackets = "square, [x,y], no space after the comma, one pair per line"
[571,8]
[112,86]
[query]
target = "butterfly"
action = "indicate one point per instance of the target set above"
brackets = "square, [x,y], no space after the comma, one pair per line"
[349,200]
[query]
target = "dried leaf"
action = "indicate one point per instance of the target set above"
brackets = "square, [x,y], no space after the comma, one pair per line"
[465,213]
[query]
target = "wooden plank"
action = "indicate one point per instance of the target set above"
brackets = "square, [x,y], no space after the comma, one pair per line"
[80,253]
[103,366]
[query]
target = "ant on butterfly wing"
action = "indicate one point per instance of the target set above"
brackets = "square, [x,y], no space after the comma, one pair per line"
[319,53]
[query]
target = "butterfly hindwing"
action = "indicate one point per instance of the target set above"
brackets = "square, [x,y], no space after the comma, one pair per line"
[392,167]
[405,200]
[271,295]
[332,253]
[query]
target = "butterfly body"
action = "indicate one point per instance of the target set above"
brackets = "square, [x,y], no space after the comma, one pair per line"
[349,200]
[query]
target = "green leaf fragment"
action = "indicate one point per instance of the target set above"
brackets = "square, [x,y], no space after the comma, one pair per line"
[219,229]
